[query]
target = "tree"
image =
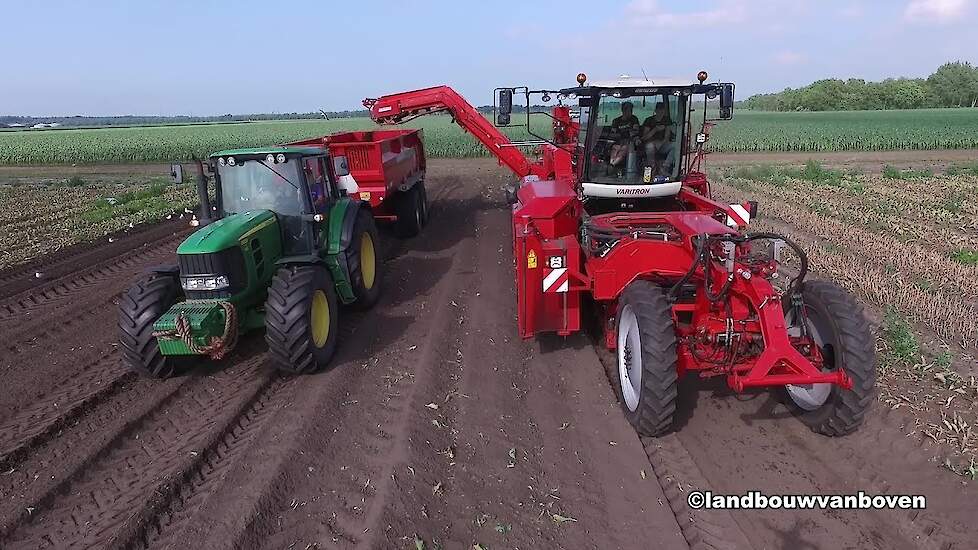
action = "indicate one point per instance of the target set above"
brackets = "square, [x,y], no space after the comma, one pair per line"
[955,84]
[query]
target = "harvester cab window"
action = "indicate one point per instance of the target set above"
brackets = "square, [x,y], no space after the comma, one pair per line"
[250,185]
[637,139]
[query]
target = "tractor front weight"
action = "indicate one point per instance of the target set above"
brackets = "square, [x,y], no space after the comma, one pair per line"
[198,327]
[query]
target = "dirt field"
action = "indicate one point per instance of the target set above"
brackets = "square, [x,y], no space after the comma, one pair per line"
[435,427]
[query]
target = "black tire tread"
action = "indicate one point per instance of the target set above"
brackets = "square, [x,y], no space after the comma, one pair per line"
[656,409]
[287,323]
[366,299]
[846,411]
[406,208]
[139,308]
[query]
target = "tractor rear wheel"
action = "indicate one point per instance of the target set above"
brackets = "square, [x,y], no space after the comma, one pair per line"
[837,324]
[362,258]
[646,378]
[139,308]
[301,318]
[410,213]
[424,202]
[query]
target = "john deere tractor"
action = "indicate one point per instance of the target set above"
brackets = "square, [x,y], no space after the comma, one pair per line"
[279,246]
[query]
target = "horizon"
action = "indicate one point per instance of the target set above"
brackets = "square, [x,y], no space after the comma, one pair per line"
[122,56]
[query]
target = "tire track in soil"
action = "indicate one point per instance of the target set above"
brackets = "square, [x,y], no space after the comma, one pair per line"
[104,496]
[18,279]
[37,423]
[54,293]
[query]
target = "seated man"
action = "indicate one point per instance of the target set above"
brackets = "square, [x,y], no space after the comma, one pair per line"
[657,136]
[623,128]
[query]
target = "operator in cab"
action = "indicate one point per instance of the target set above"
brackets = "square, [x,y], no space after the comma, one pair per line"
[657,138]
[624,129]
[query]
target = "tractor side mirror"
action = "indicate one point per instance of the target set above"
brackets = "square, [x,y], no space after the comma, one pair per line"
[505,107]
[726,101]
[176,172]
[340,166]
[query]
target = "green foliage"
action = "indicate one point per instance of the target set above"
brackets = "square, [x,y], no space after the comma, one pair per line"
[966,257]
[963,169]
[149,199]
[952,85]
[892,172]
[900,339]
[76,181]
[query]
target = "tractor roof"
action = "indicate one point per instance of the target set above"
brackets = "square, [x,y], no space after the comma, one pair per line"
[273,150]
[625,81]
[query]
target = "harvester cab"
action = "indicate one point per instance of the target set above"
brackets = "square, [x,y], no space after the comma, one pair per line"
[279,246]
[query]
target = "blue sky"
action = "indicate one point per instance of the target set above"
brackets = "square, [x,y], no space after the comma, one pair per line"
[211,57]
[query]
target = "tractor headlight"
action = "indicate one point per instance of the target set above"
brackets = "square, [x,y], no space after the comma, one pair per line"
[280,158]
[205,283]
[270,159]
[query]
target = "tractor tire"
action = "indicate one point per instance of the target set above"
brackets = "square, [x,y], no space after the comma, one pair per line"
[410,211]
[301,319]
[361,257]
[841,330]
[646,378]
[139,308]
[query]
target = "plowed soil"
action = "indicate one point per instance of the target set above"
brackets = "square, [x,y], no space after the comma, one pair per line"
[436,427]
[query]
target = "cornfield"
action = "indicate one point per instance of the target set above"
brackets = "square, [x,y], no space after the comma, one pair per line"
[749,131]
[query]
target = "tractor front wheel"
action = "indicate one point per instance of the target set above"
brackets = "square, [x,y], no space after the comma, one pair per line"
[301,319]
[838,326]
[646,359]
[139,308]
[362,258]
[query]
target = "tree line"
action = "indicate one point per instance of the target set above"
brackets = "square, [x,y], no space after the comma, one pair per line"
[953,84]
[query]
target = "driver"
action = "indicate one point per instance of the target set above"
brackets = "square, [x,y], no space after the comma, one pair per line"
[278,196]
[623,128]
[657,137]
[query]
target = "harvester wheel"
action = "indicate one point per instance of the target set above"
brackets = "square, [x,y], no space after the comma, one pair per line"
[362,257]
[301,318]
[646,376]
[139,308]
[839,327]
[410,212]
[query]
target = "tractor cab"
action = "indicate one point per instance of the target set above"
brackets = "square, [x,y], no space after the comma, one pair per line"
[295,183]
[637,138]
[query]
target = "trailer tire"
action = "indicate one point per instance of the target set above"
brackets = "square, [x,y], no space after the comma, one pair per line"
[644,321]
[424,202]
[301,318]
[362,259]
[409,213]
[841,327]
[139,308]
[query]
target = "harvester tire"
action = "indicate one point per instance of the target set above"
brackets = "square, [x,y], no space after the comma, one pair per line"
[140,307]
[301,318]
[363,258]
[645,377]
[410,211]
[847,341]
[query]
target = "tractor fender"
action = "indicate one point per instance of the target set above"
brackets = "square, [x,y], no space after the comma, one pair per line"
[341,241]
[303,259]
[171,270]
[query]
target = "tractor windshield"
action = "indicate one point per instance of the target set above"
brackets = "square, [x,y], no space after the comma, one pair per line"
[251,185]
[638,139]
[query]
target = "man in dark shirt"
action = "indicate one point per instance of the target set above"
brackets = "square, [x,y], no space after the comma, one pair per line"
[624,128]
[657,136]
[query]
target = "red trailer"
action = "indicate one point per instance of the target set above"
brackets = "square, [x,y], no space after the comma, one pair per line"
[618,212]
[387,169]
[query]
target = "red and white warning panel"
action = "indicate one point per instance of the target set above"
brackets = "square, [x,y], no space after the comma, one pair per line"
[555,276]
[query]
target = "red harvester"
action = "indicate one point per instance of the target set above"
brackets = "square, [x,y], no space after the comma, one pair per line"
[616,209]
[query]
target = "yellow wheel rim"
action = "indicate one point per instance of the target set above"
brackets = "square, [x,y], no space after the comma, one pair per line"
[320,318]
[368,261]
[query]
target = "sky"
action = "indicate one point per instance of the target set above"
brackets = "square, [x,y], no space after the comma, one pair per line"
[150,57]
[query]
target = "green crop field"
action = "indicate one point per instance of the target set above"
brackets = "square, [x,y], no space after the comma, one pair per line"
[749,131]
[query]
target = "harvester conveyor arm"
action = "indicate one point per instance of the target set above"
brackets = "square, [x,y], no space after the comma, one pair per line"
[396,108]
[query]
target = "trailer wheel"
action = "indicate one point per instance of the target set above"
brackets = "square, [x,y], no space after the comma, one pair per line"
[363,260]
[139,308]
[424,202]
[646,358]
[409,212]
[301,318]
[839,327]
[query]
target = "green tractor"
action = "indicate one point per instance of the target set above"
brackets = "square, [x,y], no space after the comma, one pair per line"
[280,245]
